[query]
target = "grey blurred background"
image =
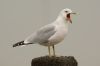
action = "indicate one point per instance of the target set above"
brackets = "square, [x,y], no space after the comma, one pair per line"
[19,18]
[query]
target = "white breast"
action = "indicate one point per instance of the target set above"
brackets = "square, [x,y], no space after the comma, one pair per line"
[60,34]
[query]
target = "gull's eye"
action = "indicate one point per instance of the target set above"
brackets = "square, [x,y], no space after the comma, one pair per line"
[66,11]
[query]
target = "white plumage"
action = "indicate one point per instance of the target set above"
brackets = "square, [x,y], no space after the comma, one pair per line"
[50,34]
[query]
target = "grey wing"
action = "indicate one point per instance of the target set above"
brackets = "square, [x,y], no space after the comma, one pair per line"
[42,35]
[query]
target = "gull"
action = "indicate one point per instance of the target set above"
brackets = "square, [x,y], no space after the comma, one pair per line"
[51,34]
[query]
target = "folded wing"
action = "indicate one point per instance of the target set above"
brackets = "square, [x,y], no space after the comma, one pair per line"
[42,35]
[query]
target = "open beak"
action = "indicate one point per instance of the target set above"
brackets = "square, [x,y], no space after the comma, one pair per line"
[69,17]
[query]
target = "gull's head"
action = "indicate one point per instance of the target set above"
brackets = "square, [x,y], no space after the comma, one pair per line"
[66,14]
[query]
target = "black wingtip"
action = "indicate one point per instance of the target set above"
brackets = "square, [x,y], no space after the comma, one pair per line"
[18,44]
[14,45]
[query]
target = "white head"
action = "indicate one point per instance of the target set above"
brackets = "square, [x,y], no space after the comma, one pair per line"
[65,13]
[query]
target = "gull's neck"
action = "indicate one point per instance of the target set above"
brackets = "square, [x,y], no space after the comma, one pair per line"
[61,21]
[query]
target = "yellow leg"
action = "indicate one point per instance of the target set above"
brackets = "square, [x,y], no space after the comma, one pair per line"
[53,50]
[49,51]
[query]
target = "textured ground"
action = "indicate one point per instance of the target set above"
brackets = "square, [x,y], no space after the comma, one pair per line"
[54,61]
